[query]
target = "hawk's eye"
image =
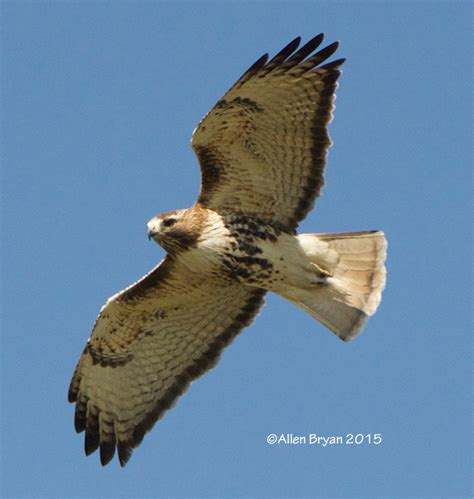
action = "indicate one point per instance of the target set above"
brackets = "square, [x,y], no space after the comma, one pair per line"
[168,222]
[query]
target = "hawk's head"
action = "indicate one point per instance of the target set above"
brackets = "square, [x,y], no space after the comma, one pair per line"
[176,230]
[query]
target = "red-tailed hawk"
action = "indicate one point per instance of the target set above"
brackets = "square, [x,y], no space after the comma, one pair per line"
[262,150]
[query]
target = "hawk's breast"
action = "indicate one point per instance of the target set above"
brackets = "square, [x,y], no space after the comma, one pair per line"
[237,245]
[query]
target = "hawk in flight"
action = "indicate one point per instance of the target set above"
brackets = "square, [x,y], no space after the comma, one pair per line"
[262,150]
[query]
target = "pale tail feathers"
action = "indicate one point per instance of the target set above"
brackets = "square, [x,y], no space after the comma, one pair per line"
[354,277]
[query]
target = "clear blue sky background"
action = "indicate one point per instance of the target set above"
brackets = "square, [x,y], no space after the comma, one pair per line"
[99,101]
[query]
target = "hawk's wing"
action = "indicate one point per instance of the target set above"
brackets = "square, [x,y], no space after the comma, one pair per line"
[149,342]
[262,147]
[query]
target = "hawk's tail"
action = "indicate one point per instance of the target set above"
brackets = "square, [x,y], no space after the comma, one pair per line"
[354,277]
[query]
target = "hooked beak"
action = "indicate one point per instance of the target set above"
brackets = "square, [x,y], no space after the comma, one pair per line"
[153,229]
[151,232]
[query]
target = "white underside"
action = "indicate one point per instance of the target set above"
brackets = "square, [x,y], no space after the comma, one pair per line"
[336,278]
[350,292]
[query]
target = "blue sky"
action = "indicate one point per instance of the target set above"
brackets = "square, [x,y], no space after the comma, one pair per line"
[99,100]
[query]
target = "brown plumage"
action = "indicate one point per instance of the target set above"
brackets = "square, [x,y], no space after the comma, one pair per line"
[262,151]
[178,330]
